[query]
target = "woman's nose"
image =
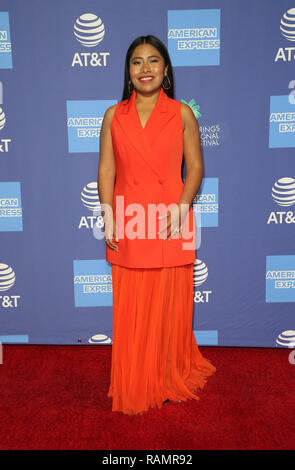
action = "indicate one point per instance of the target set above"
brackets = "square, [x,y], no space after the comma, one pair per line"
[145,66]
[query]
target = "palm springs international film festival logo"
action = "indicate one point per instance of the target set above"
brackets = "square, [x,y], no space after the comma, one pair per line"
[89,31]
[209,133]
[287,29]
[194,37]
[283,194]
[5,44]
[84,119]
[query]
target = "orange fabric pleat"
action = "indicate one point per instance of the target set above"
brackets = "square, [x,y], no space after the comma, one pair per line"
[155,355]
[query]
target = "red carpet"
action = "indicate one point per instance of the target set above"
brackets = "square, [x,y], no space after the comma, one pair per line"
[55,397]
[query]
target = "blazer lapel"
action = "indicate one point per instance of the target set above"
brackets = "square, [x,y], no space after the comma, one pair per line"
[141,138]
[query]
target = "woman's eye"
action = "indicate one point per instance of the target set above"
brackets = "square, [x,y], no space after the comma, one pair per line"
[137,61]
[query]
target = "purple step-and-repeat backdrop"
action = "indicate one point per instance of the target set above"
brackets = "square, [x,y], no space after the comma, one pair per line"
[61,66]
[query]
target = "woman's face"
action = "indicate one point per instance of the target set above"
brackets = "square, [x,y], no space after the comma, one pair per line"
[146,61]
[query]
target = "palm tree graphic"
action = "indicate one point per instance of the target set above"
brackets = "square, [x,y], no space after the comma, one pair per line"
[194,107]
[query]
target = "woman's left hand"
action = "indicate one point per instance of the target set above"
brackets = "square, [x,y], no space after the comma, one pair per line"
[176,217]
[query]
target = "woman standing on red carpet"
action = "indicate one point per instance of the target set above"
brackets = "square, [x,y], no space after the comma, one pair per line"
[155,356]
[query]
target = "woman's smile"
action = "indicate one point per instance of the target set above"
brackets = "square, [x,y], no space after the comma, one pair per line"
[148,78]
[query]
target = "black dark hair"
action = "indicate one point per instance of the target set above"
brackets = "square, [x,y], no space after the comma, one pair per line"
[154,41]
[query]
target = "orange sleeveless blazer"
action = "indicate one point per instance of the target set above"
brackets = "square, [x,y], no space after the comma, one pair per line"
[148,171]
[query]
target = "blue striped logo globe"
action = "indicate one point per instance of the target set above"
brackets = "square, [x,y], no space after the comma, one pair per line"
[89,30]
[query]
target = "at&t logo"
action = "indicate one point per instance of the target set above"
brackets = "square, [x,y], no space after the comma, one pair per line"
[90,199]
[287,28]
[89,31]
[283,193]
[287,340]
[200,276]
[3,142]
[7,280]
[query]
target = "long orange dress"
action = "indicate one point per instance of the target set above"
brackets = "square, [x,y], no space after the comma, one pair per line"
[155,355]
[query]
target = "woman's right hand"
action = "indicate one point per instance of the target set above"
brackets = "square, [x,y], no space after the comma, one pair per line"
[110,235]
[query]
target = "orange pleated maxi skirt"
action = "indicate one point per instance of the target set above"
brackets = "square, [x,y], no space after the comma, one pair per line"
[155,355]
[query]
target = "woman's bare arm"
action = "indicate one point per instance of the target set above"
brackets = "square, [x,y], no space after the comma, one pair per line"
[106,173]
[192,155]
[194,171]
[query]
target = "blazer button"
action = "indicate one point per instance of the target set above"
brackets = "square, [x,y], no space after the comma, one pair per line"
[136,182]
[160,181]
